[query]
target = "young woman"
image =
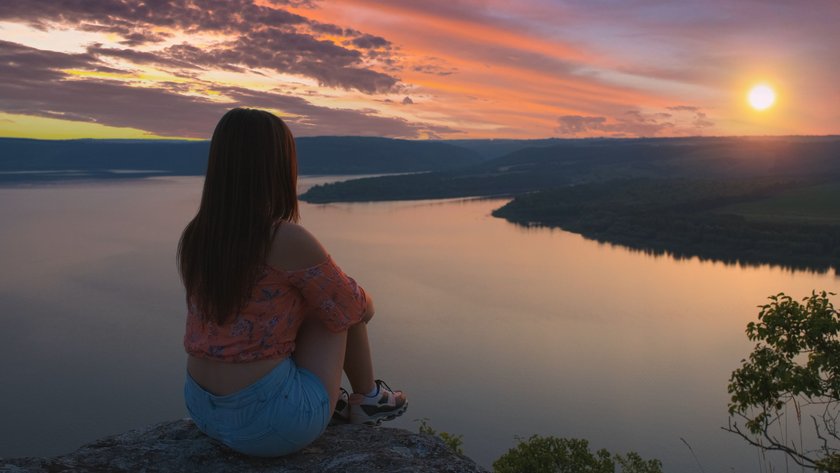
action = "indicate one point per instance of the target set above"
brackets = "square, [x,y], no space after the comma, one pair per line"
[272,320]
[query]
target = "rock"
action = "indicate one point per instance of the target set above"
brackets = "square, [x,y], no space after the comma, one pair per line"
[178,446]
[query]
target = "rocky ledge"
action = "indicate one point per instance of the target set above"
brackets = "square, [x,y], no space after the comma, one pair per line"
[178,446]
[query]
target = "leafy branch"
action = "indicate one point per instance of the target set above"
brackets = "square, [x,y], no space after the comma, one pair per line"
[794,368]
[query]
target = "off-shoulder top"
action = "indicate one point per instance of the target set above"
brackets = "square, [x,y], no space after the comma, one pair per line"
[266,327]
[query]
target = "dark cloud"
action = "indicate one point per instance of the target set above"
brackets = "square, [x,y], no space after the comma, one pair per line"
[362,79]
[264,37]
[687,108]
[576,124]
[286,52]
[43,65]
[186,15]
[328,28]
[433,69]
[137,38]
[631,123]
[294,3]
[634,123]
[636,116]
[368,41]
[118,104]
[131,36]
[700,121]
[315,120]
[407,101]
[139,57]
[32,83]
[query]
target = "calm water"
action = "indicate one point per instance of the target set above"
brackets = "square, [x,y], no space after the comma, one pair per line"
[494,331]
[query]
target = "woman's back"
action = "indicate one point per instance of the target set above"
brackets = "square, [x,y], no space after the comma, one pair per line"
[220,361]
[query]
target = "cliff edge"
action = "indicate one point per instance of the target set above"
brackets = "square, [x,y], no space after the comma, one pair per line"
[178,446]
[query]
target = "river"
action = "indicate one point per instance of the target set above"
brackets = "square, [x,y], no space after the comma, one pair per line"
[495,331]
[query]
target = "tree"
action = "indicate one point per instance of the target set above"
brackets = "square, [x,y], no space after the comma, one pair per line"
[561,455]
[792,374]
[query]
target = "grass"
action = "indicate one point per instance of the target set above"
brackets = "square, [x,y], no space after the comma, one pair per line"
[816,204]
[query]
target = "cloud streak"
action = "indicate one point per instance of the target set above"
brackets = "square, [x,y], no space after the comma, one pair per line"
[33,82]
[261,37]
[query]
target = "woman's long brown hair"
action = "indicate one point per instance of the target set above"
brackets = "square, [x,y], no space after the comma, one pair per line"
[250,187]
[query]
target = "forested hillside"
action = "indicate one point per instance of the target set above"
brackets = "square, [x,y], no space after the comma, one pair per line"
[713,218]
[24,160]
[580,161]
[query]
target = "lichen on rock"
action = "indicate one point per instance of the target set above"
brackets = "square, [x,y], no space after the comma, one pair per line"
[178,446]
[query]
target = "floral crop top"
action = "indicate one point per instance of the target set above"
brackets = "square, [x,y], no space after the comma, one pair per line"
[268,324]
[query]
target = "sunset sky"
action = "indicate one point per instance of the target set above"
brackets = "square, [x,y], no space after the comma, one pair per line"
[447,69]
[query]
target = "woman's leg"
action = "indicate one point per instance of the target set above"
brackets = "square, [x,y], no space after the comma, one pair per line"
[358,363]
[321,352]
[325,353]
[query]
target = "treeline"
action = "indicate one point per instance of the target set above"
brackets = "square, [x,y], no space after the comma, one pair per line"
[374,155]
[557,163]
[682,217]
[25,160]
[430,185]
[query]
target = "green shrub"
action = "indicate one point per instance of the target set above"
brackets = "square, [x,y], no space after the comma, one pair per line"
[561,455]
[454,442]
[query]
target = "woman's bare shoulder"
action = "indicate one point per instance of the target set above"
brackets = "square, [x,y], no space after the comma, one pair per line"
[294,247]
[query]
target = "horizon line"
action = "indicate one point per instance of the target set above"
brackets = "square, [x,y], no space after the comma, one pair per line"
[555,138]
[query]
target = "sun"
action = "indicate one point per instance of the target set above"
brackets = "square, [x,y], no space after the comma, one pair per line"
[761,97]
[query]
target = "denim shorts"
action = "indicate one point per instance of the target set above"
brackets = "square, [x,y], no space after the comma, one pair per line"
[284,411]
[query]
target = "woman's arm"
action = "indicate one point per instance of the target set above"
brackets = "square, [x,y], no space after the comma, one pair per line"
[369,311]
[295,248]
[339,298]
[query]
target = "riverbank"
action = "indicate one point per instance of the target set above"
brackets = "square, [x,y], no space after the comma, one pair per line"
[789,223]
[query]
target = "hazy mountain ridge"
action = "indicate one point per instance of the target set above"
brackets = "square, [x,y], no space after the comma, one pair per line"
[27,160]
[456,167]
[578,161]
[371,155]
[491,148]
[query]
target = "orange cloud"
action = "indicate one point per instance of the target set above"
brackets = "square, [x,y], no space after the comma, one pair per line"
[472,68]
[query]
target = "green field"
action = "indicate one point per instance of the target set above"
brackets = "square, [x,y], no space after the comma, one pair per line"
[817,204]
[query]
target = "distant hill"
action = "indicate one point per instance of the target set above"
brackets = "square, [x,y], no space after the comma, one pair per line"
[579,161]
[496,148]
[451,168]
[371,155]
[26,160]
